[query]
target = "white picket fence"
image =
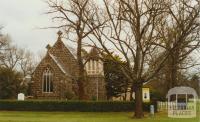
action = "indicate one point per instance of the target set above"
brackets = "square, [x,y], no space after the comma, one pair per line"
[163,106]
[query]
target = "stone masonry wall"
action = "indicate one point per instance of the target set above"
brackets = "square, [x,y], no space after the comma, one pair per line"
[96,85]
[60,82]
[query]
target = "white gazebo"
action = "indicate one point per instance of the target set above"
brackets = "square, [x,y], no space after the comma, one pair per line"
[182,102]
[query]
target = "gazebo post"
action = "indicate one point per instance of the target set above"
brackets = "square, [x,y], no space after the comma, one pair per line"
[176,102]
[168,103]
[186,98]
[194,98]
[194,102]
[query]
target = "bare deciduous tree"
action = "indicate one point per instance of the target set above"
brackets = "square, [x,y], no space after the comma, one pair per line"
[180,24]
[138,30]
[10,57]
[131,32]
[4,41]
[26,62]
[74,16]
[15,58]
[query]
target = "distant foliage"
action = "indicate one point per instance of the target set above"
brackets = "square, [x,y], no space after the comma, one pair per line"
[10,83]
[15,64]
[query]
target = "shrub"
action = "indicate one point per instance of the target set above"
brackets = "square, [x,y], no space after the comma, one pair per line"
[10,83]
[82,106]
[69,95]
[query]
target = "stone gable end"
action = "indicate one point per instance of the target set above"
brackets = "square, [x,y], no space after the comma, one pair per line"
[65,56]
[61,82]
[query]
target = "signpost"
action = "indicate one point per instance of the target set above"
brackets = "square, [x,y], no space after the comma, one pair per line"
[152,111]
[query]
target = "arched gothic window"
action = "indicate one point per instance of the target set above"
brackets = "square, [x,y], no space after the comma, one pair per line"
[47,80]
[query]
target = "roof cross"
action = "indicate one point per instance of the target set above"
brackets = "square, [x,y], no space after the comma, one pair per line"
[59,33]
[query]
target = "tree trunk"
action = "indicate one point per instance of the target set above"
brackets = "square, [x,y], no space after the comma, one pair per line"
[172,70]
[131,93]
[81,77]
[81,90]
[168,74]
[125,97]
[138,101]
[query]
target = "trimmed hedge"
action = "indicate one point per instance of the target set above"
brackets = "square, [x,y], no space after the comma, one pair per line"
[81,106]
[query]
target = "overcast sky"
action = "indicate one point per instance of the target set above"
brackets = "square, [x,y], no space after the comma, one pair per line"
[22,19]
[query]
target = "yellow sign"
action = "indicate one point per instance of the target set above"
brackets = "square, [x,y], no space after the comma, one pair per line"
[146,94]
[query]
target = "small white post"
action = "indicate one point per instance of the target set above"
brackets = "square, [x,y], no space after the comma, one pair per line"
[152,110]
[20,96]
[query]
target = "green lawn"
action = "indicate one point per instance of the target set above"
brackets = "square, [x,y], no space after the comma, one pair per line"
[14,116]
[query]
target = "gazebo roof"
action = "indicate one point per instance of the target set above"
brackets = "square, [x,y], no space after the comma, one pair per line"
[182,90]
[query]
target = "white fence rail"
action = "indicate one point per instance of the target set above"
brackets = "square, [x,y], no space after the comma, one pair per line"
[163,106]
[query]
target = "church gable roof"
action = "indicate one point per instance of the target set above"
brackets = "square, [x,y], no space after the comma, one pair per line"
[59,64]
[63,55]
[59,46]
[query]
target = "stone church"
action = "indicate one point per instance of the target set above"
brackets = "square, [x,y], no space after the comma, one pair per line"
[55,77]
